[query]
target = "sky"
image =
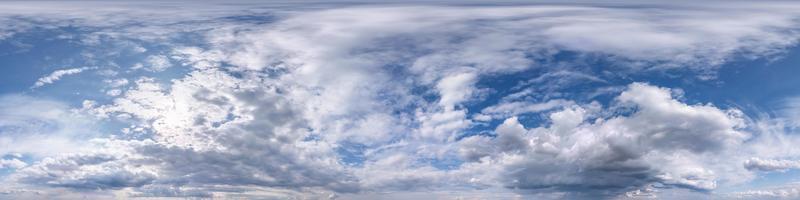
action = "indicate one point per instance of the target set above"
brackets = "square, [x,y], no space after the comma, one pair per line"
[399,100]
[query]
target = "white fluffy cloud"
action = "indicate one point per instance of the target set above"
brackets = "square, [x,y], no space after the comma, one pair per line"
[663,141]
[12,163]
[272,106]
[158,63]
[211,129]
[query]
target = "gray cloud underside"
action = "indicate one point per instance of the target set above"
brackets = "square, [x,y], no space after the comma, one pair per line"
[266,107]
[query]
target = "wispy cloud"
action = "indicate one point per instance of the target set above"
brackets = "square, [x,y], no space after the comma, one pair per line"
[56,75]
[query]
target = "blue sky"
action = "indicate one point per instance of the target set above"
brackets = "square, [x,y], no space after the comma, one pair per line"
[431,100]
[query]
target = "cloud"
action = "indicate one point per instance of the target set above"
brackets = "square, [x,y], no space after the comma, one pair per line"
[272,107]
[211,129]
[455,89]
[86,172]
[513,39]
[12,163]
[663,141]
[787,191]
[508,109]
[789,111]
[158,63]
[56,75]
[771,164]
[28,123]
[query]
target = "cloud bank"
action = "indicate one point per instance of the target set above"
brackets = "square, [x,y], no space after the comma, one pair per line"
[347,101]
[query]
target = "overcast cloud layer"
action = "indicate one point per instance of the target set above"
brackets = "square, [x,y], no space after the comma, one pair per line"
[611,100]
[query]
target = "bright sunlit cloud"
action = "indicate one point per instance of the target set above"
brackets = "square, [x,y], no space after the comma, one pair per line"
[445,100]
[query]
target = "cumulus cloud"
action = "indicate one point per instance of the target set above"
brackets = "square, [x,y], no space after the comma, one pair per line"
[158,63]
[455,89]
[211,129]
[12,163]
[663,141]
[86,171]
[379,98]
